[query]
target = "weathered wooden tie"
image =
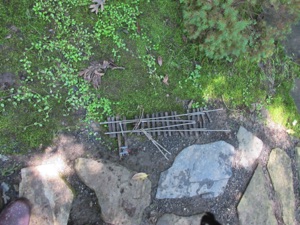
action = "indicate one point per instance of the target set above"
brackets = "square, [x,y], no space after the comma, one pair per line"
[167,124]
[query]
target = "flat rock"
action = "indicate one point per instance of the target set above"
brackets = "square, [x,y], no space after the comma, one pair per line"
[279,167]
[122,200]
[50,196]
[250,148]
[255,206]
[198,170]
[172,219]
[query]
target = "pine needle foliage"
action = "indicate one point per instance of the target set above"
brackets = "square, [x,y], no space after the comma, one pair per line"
[230,28]
[216,26]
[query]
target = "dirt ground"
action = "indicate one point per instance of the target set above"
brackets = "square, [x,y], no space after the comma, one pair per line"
[144,157]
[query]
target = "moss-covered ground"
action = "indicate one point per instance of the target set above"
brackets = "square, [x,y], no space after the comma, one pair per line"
[46,43]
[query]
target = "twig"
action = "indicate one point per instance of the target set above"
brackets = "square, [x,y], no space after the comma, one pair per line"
[139,121]
[157,145]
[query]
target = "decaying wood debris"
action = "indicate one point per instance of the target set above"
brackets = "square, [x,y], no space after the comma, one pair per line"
[167,124]
[96,70]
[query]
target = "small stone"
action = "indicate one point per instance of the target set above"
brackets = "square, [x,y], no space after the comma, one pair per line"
[3,158]
[250,148]
[255,206]
[280,169]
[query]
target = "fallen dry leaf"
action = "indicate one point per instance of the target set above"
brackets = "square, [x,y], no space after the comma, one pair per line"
[95,7]
[165,80]
[139,176]
[159,60]
[97,70]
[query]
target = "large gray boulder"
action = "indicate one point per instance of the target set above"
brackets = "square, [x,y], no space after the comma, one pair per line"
[172,219]
[198,170]
[250,148]
[255,207]
[49,195]
[280,169]
[122,199]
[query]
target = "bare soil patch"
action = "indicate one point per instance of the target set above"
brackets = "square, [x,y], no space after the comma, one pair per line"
[145,157]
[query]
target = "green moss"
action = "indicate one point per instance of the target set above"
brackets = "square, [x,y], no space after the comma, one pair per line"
[284,112]
[127,92]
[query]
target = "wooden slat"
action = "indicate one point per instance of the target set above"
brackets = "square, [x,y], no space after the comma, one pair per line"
[194,117]
[148,122]
[137,125]
[142,124]
[110,127]
[185,127]
[208,116]
[119,136]
[199,120]
[157,123]
[124,134]
[168,124]
[164,124]
[173,118]
[190,126]
[113,126]
[203,119]
[153,123]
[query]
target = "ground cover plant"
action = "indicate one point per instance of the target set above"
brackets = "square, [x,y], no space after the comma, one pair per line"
[167,62]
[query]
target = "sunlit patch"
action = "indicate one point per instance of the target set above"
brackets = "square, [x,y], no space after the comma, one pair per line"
[48,171]
[294,123]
